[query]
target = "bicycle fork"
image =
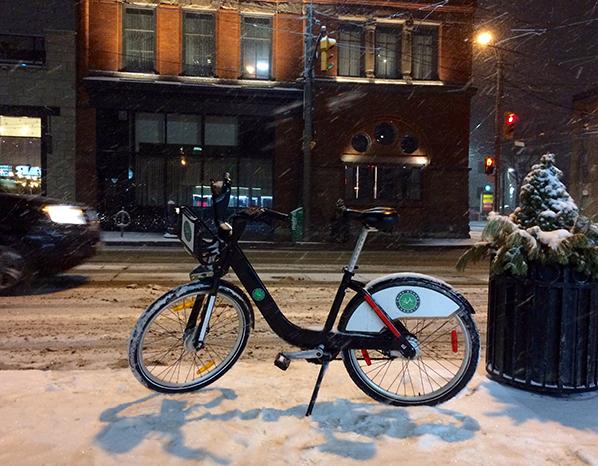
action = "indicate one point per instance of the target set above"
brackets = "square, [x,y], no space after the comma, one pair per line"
[195,334]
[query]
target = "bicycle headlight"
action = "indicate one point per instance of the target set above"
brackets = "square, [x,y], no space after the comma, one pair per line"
[65,214]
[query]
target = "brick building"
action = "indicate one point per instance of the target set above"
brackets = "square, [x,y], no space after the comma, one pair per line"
[583,168]
[174,93]
[37,97]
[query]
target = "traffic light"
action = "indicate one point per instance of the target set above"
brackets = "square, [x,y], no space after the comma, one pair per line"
[489,165]
[509,124]
[326,44]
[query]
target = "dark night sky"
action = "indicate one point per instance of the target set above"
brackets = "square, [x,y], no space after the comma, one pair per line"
[553,55]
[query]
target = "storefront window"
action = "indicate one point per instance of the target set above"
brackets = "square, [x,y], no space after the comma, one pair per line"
[183,129]
[149,128]
[221,131]
[368,183]
[177,156]
[20,154]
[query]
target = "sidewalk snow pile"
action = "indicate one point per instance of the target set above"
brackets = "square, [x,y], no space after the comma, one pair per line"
[255,415]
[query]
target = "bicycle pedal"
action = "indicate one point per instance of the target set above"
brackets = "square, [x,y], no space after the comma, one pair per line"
[282,362]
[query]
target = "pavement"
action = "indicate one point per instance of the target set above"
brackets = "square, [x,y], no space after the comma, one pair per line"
[136,238]
[255,415]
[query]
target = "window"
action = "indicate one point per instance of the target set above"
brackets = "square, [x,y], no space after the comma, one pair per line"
[221,131]
[368,183]
[388,52]
[424,56]
[149,129]
[22,49]
[20,154]
[199,44]
[256,42]
[138,39]
[350,51]
[183,129]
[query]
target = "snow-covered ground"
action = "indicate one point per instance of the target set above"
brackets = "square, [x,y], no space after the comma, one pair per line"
[254,415]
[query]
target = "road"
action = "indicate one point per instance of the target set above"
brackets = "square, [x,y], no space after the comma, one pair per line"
[83,319]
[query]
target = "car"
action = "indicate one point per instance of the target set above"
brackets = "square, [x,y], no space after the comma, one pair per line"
[43,236]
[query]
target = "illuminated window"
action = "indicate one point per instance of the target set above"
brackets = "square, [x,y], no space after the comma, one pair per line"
[256,40]
[388,52]
[369,183]
[20,154]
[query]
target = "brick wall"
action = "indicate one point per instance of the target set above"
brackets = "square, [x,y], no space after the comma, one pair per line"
[228,44]
[104,35]
[169,31]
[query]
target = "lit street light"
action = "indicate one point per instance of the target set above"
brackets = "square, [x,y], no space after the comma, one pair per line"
[486,39]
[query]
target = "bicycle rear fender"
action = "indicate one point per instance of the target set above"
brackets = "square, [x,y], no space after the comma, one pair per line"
[404,295]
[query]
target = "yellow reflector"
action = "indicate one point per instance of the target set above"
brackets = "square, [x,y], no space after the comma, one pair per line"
[205,367]
[182,306]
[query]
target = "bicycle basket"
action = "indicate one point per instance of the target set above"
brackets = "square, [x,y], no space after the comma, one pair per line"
[197,238]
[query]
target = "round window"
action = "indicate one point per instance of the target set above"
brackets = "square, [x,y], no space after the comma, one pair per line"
[385,134]
[409,144]
[361,142]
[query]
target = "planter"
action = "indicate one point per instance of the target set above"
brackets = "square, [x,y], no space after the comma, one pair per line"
[543,330]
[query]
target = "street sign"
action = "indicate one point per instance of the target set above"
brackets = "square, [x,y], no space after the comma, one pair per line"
[487,202]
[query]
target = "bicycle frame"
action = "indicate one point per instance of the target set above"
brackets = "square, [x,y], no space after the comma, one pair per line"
[333,342]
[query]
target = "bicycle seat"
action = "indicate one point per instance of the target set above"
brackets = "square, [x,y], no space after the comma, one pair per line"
[380,218]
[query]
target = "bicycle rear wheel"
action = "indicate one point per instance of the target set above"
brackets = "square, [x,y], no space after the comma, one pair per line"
[447,356]
[159,354]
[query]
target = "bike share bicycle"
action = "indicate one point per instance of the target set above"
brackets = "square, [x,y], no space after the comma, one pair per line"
[405,339]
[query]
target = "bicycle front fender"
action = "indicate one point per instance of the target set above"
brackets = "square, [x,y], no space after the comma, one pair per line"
[403,295]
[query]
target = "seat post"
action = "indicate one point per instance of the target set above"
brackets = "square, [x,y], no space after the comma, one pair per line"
[358,247]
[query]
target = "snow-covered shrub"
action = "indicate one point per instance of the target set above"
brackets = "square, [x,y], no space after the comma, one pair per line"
[545,228]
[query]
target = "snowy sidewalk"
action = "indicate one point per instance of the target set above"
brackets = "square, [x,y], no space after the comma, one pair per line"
[254,415]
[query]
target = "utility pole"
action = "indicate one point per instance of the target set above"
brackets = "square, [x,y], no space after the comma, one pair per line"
[308,77]
[498,127]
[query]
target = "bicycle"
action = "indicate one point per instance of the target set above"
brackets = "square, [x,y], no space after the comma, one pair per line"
[405,339]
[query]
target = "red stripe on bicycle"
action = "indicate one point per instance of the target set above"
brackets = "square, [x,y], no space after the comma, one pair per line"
[455,341]
[383,317]
[366,357]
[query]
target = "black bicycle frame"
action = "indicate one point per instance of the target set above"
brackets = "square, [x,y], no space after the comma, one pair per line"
[304,338]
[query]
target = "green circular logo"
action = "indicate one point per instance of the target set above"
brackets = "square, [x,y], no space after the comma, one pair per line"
[408,301]
[187,231]
[258,294]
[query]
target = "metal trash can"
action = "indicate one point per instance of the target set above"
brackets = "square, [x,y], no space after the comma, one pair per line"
[543,330]
[297,224]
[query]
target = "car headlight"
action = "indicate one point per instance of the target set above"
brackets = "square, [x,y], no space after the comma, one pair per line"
[65,214]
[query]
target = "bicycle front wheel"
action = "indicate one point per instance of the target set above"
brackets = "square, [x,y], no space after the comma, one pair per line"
[159,352]
[447,355]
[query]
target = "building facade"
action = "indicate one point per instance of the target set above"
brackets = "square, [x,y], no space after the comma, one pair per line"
[38,97]
[175,93]
[583,168]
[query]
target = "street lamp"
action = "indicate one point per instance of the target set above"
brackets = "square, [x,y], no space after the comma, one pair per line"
[486,39]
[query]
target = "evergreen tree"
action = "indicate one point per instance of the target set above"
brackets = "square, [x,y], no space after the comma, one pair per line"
[544,200]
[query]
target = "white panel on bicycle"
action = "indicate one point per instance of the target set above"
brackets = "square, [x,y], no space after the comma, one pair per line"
[411,302]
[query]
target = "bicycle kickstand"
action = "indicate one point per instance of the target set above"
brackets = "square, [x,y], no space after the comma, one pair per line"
[314,394]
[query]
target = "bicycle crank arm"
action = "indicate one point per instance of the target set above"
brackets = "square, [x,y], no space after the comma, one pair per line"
[308,354]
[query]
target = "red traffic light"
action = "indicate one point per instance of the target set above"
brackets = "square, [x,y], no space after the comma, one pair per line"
[489,165]
[510,118]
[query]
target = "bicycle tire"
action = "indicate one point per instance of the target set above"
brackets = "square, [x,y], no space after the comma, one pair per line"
[468,341]
[213,371]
